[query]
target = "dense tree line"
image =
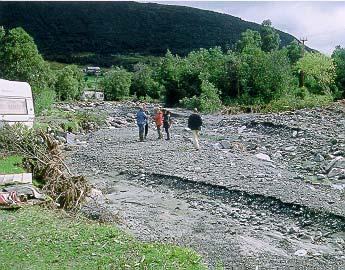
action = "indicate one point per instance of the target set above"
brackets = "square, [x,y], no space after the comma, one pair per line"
[92,32]
[256,72]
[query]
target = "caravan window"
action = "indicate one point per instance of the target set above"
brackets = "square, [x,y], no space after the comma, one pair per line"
[13,107]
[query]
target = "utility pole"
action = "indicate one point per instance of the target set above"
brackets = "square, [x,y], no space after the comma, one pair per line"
[303,40]
[301,73]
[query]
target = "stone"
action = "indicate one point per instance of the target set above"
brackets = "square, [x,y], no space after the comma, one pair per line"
[217,146]
[335,172]
[331,164]
[338,153]
[263,156]
[278,155]
[292,230]
[96,195]
[241,129]
[294,134]
[70,138]
[301,252]
[130,115]
[320,176]
[225,144]
[340,163]
[290,148]
[319,158]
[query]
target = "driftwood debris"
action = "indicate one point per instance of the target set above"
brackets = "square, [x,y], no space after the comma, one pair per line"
[43,157]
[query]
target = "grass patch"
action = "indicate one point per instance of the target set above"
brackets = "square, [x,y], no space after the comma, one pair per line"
[293,102]
[93,82]
[56,65]
[70,121]
[35,238]
[11,164]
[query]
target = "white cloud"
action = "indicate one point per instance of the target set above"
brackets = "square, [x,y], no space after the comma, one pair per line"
[323,23]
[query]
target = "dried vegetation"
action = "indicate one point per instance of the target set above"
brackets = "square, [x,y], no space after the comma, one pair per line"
[43,157]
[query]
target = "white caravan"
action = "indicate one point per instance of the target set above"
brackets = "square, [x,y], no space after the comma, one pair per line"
[16,103]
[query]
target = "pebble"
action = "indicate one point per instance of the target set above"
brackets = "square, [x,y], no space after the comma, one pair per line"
[263,157]
[301,252]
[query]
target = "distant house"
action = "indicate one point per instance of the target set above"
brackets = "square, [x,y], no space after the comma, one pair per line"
[92,70]
[90,94]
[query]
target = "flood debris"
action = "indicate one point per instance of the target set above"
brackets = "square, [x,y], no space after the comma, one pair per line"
[42,156]
[18,195]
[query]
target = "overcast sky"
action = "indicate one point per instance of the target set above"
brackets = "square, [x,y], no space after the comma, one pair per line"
[323,23]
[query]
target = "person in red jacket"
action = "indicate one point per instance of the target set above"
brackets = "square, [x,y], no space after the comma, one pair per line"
[158,117]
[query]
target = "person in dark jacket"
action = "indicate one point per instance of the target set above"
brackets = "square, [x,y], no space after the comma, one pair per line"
[195,123]
[141,122]
[147,121]
[167,123]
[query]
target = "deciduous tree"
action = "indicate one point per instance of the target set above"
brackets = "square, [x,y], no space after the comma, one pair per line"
[269,36]
[294,51]
[338,57]
[21,61]
[69,83]
[116,84]
[319,72]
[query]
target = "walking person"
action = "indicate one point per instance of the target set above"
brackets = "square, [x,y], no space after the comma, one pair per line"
[159,122]
[167,123]
[141,122]
[195,123]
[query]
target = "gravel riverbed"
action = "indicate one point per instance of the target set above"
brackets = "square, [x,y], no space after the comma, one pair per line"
[265,191]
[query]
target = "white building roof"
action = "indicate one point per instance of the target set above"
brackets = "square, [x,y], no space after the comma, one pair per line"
[93,68]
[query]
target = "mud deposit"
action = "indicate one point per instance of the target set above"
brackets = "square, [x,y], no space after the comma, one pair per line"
[230,227]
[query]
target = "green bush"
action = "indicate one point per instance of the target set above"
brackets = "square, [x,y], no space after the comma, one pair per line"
[208,101]
[146,99]
[320,72]
[43,100]
[209,98]
[116,84]
[143,82]
[190,103]
[69,83]
[85,118]
[294,102]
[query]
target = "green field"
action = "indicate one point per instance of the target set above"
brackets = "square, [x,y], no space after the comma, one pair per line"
[93,82]
[36,238]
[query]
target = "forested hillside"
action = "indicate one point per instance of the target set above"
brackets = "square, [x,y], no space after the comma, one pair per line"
[102,29]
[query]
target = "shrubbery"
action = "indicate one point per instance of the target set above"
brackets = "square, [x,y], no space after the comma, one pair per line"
[69,83]
[294,101]
[255,73]
[43,100]
[116,84]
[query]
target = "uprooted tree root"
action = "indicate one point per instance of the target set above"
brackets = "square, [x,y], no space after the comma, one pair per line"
[43,157]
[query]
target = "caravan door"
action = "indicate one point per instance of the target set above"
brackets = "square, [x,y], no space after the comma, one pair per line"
[16,103]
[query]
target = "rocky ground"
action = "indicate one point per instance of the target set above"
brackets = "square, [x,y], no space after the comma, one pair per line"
[266,191]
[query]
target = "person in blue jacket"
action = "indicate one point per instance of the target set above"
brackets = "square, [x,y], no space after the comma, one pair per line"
[141,122]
